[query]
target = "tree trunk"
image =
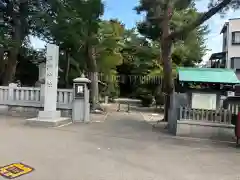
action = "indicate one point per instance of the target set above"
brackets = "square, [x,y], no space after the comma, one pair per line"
[17,37]
[67,67]
[2,64]
[11,66]
[94,90]
[168,79]
[166,47]
[92,67]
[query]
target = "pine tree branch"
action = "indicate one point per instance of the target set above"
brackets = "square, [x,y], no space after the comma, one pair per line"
[206,16]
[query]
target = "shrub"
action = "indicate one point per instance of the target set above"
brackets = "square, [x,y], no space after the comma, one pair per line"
[159,98]
[145,96]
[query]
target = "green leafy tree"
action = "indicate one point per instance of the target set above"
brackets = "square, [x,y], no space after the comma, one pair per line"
[86,42]
[17,19]
[162,24]
[110,44]
[27,67]
[142,57]
[139,58]
[58,23]
[190,51]
[74,25]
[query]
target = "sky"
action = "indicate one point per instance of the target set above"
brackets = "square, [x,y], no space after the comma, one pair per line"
[123,11]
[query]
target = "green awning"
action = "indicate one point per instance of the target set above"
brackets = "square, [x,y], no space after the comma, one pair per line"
[212,75]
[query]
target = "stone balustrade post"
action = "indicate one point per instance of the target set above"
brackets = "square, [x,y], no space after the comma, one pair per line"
[11,87]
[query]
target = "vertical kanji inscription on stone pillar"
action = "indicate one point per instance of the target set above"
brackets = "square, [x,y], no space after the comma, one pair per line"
[52,56]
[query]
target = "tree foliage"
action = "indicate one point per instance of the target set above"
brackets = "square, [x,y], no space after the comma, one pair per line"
[16,23]
[169,21]
[90,44]
[177,22]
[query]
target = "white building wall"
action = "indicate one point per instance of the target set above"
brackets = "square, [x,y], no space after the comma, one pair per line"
[224,46]
[232,50]
[225,41]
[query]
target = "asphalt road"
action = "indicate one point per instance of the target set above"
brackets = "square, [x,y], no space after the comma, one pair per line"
[123,147]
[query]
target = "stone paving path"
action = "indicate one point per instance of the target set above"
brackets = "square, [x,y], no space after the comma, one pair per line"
[123,147]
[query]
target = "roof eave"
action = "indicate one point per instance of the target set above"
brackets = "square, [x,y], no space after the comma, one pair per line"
[224,28]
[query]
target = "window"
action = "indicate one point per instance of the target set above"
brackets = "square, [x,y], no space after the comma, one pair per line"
[235,62]
[236,37]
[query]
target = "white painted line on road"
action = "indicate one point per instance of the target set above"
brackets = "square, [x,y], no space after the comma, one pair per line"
[63,125]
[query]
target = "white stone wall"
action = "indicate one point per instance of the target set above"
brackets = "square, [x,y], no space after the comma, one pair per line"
[205,130]
[31,97]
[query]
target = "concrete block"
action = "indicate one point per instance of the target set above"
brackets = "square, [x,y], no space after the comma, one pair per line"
[48,122]
[206,130]
[49,114]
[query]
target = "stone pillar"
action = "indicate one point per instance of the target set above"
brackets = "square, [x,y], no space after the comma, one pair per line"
[51,76]
[81,105]
[41,79]
[50,116]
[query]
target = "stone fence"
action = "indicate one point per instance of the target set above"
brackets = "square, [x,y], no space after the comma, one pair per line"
[209,124]
[29,98]
[221,116]
[202,123]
